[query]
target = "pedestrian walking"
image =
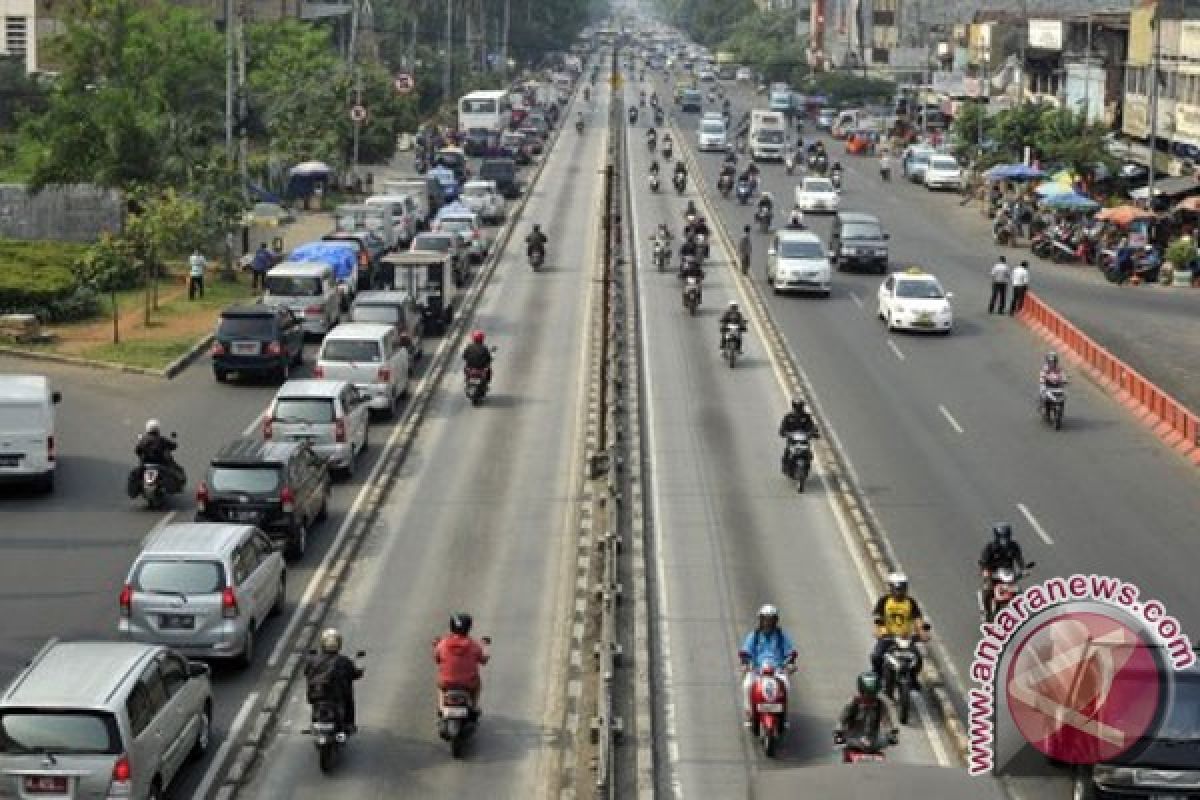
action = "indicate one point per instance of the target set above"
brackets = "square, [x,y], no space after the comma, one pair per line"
[1020,284]
[196,266]
[744,250]
[263,261]
[1000,275]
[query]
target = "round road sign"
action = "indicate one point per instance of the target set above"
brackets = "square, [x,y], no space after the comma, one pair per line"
[403,83]
[358,113]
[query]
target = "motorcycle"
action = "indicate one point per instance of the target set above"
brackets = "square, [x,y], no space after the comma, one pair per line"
[799,455]
[658,117]
[537,257]
[1005,585]
[667,152]
[633,115]
[743,192]
[475,384]
[691,294]
[1003,234]
[458,719]
[885,173]
[680,182]
[820,165]
[651,144]
[701,247]
[725,185]
[763,218]
[153,482]
[769,705]
[653,179]
[789,163]
[898,675]
[865,749]
[327,729]
[579,126]
[662,255]
[836,179]
[1054,402]
[731,342]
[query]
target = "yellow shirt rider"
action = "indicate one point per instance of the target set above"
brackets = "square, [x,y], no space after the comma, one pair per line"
[896,615]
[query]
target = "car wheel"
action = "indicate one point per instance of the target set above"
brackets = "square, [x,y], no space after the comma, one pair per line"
[155,792]
[203,736]
[348,470]
[298,361]
[1082,785]
[280,596]
[366,440]
[46,483]
[246,658]
[891,327]
[298,541]
[285,371]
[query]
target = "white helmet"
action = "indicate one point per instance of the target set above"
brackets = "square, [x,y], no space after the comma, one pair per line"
[331,641]
[769,610]
[152,426]
[897,581]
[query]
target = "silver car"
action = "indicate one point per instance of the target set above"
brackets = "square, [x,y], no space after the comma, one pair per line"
[330,415]
[204,588]
[100,720]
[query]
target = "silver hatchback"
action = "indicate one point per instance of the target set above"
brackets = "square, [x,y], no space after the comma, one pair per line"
[332,416]
[204,588]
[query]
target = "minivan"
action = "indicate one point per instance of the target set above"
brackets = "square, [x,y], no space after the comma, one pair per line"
[858,239]
[405,215]
[257,339]
[204,589]
[27,443]
[309,290]
[418,190]
[504,172]
[331,416]
[98,720]
[370,356]
[397,308]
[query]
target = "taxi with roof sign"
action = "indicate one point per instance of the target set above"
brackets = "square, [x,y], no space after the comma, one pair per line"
[915,300]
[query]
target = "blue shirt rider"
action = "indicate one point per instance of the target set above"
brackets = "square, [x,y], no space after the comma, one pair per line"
[768,643]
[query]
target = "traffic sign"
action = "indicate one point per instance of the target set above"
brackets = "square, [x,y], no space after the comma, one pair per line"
[358,113]
[404,83]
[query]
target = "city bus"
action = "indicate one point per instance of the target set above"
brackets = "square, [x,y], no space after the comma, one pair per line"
[490,110]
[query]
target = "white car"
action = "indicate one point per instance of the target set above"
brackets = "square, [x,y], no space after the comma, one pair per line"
[915,300]
[817,194]
[711,135]
[943,172]
[707,75]
[468,227]
[796,261]
[745,75]
[483,198]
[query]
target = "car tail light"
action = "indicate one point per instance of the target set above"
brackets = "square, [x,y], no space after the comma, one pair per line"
[50,451]
[314,310]
[218,349]
[268,427]
[274,349]
[229,604]
[126,599]
[287,499]
[202,496]
[318,372]
[339,430]
[122,778]
[384,374]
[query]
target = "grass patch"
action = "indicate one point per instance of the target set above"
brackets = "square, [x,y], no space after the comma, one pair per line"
[148,353]
[217,294]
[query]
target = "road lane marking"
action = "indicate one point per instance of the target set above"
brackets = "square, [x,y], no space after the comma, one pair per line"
[950,418]
[857,300]
[895,349]
[235,730]
[1033,523]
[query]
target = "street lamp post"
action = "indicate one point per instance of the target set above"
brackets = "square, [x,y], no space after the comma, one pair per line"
[985,92]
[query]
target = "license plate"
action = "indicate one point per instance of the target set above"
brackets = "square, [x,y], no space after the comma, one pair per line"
[150,475]
[770,708]
[177,622]
[46,784]
[866,757]
[245,348]
[241,516]
[455,712]
[10,460]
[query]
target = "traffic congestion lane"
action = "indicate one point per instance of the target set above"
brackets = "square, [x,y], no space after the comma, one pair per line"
[478,524]
[733,534]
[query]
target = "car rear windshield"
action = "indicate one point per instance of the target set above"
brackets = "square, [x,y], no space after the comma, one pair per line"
[800,249]
[455,225]
[355,350]
[179,577]
[386,314]
[476,191]
[286,286]
[303,409]
[818,185]
[771,136]
[491,171]
[246,327]
[861,232]
[943,163]
[713,127]
[927,290]
[251,480]
[24,731]
[439,244]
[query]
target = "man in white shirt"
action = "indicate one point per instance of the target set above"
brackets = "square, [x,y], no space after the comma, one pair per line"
[196,267]
[999,286]
[1020,284]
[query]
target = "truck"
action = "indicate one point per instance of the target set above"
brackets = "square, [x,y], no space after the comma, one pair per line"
[726,65]
[780,98]
[361,217]
[767,135]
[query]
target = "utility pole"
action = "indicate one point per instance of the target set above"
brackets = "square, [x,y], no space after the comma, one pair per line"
[1154,56]
[446,87]
[1087,83]
[1024,43]
[243,109]
[229,82]
[504,36]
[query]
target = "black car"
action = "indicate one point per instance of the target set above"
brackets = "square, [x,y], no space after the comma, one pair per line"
[858,240]
[477,142]
[504,172]
[281,487]
[257,340]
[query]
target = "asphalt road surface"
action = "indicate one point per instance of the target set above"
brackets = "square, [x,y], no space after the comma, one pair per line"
[942,431]
[479,523]
[732,533]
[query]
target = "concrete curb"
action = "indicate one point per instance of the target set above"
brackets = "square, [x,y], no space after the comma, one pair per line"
[180,364]
[858,514]
[261,730]
[170,371]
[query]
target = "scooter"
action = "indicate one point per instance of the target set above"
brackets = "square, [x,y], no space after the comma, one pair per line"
[579,126]
[667,152]
[458,719]
[836,179]
[885,172]
[1005,585]
[153,483]
[633,115]
[680,181]
[327,728]
[691,294]
[651,144]
[743,192]
[789,163]
[763,218]
[475,383]
[1054,402]
[898,675]
[653,180]
[537,257]
[860,749]
[731,342]
[769,707]
[662,255]
[725,185]
[799,456]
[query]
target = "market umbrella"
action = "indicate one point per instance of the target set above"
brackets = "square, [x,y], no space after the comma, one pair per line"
[311,168]
[1188,204]
[1013,172]
[1123,215]
[1071,202]
[1052,189]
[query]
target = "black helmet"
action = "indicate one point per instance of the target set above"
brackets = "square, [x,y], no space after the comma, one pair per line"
[798,405]
[460,623]
[868,684]
[1002,532]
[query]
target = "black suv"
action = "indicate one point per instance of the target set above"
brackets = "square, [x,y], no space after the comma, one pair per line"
[281,487]
[504,172]
[257,339]
[858,240]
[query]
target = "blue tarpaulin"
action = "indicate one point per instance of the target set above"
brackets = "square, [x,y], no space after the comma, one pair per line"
[343,259]
[1013,172]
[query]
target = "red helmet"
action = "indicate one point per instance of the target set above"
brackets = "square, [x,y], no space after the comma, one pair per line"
[477,337]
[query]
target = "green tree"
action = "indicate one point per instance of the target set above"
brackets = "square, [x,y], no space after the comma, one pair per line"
[851,88]
[1066,137]
[766,42]
[1015,128]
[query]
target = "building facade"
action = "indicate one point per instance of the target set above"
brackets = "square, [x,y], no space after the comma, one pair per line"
[20,31]
[1176,125]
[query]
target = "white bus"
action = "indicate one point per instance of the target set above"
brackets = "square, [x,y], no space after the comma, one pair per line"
[486,109]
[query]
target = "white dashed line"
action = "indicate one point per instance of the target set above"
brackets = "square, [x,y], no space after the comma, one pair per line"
[950,418]
[1033,523]
[235,731]
[895,349]
[857,300]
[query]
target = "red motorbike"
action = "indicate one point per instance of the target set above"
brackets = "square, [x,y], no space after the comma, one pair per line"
[769,705]
[860,749]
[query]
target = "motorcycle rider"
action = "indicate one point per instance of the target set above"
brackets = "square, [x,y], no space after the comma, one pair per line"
[885,166]
[766,202]
[796,218]
[690,268]
[863,716]
[652,137]
[154,448]
[478,356]
[535,241]
[680,170]
[745,249]
[896,614]
[732,316]
[1001,552]
[330,671]
[767,642]
[459,658]
[1051,374]
[835,173]
[797,419]
[1003,220]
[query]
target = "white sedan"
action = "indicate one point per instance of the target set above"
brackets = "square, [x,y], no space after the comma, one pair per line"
[483,198]
[817,194]
[943,172]
[915,300]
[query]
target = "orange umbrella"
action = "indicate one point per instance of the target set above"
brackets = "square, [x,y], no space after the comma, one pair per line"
[1124,215]
[1188,204]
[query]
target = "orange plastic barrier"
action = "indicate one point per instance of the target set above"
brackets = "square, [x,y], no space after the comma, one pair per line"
[1170,419]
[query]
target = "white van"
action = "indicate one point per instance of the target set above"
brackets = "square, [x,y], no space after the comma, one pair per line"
[405,215]
[370,356]
[309,290]
[27,444]
[418,190]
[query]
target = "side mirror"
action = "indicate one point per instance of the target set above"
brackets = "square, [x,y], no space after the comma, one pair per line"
[1030,565]
[361,654]
[894,736]
[771,252]
[887,236]
[56,397]
[486,640]
[198,669]
[949,295]
[832,254]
